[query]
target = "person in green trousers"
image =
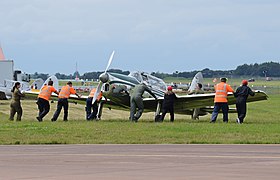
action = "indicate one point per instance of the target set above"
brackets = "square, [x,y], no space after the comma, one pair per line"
[136,101]
[15,103]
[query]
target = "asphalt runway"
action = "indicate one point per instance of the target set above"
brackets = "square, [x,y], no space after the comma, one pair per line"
[129,162]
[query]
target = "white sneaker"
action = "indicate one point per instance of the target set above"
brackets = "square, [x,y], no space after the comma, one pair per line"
[238,120]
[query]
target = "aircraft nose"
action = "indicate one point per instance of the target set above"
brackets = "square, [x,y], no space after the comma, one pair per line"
[104,77]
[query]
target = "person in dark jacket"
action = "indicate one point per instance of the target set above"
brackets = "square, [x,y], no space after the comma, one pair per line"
[197,90]
[241,95]
[136,101]
[15,104]
[168,104]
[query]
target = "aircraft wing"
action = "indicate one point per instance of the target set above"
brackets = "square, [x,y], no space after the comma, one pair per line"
[184,104]
[33,94]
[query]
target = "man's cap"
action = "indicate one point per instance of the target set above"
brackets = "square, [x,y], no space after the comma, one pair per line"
[244,82]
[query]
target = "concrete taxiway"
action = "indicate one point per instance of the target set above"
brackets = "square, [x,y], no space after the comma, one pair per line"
[135,162]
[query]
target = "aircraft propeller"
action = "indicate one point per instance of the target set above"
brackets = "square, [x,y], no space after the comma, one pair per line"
[104,77]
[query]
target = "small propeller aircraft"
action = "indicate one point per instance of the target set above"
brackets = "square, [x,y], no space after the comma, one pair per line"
[5,89]
[116,87]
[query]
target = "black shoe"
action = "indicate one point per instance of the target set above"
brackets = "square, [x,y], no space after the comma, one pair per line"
[132,119]
[65,120]
[212,121]
[39,119]
[53,120]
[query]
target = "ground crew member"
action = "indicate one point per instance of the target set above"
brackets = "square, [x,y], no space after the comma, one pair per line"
[43,100]
[197,90]
[15,103]
[63,96]
[168,104]
[119,89]
[92,109]
[136,100]
[241,95]
[221,102]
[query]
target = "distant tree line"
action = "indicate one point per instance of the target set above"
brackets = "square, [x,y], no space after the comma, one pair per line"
[87,75]
[267,69]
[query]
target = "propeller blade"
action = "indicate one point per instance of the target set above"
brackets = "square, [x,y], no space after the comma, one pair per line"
[97,92]
[110,61]
[98,89]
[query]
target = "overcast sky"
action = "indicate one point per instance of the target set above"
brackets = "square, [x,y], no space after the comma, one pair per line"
[50,36]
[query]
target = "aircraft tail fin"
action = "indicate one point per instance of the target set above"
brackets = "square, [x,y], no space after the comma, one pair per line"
[198,78]
[55,82]
[37,84]
[2,57]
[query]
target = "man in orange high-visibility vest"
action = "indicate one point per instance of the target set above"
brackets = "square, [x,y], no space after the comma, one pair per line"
[221,102]
[43,100]
[92,109]
[63,96]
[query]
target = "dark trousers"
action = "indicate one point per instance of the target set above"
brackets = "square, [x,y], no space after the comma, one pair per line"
[91,109]
[217,107]
[43,106]
[241,110]
[62,102]
[169,109]
[15,108]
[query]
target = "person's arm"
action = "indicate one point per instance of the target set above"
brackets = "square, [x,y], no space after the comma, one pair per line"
[154,95]
[150,92]
[78,95]
[252,93]
[55,91]
[20,94]
[236,92]
[73,91]
[229,89]
[175,96]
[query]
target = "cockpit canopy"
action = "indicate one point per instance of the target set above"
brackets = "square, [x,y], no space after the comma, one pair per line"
[152,80]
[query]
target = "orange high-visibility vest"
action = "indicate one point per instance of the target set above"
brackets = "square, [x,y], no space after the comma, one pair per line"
[46,92]
[92,92]
[222,90]
[66,91]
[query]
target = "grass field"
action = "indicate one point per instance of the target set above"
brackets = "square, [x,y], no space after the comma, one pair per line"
[261,126]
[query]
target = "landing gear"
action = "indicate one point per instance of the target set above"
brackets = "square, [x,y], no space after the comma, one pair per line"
[99,110]
[157,113]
